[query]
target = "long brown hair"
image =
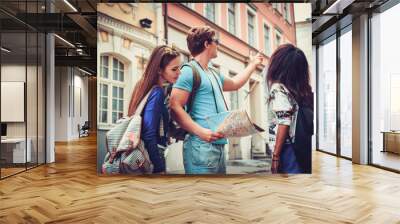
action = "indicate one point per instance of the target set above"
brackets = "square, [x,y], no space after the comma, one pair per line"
[159,59]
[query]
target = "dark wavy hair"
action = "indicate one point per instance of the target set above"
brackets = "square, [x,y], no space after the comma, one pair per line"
[288,66]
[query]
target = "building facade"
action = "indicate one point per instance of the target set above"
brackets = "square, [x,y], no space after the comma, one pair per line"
[124,47]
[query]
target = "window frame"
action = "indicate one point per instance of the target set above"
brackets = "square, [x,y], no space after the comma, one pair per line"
[286,12]
[267,46]
[229,11]
[189,5]
[111,83]
[253,27]
[277,33]
[104,66]
[338,70]
[206,12]
[120,100]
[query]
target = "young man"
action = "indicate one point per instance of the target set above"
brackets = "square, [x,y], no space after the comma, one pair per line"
[203,150]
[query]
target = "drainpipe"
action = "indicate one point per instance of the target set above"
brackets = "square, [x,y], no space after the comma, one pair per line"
[165,7]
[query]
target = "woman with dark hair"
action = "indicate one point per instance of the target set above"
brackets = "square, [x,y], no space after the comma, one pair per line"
[288,83]
[163,66]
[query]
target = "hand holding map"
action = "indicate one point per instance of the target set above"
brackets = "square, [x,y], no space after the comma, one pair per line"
[233,124]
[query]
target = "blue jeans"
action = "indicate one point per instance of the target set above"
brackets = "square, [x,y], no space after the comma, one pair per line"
[287,161]
[200,157]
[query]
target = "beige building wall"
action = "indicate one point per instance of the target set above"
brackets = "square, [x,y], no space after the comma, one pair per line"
[130,13]
[120,36]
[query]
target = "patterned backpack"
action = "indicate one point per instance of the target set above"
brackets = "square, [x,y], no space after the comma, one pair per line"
[125,150]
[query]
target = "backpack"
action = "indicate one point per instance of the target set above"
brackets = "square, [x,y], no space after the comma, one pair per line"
[126,152]
[174,130]
[303,138]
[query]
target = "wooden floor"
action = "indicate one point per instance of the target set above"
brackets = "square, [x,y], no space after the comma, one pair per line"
[387,159]
[70,191]
[10,171]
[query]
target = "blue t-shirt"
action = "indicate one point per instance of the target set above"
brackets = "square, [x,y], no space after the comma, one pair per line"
[203,104]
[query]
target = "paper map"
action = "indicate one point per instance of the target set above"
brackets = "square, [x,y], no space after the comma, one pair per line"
[233,124]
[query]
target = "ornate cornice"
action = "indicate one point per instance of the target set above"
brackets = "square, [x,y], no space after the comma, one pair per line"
[122,29]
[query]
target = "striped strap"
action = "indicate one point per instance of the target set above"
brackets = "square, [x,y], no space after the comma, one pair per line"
[142,103]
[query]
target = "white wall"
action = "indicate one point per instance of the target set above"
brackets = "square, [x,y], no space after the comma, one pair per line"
[80,97]
[69,85]
[61,104]
[33,126]
[12,73]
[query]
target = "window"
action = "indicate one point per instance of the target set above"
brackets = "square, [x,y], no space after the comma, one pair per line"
[17,43]
[385,89]
[210,11]
[188,4]
[278,38]
[277,6]
[335,94]
[286,12]
[103,103]
[111,106]
[267,43]
[251,28]
[117,103]
[346,94]
[231,18]
[104,66]
[118,70]
[327,96]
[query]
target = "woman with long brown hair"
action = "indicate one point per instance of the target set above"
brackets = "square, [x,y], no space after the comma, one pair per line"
[163,66]
[288,80]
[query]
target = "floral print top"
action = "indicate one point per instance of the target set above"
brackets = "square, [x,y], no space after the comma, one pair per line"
[282,110]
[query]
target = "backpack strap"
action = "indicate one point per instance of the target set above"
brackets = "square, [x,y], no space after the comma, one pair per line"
[213,71]
[195,87]
[142,103]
